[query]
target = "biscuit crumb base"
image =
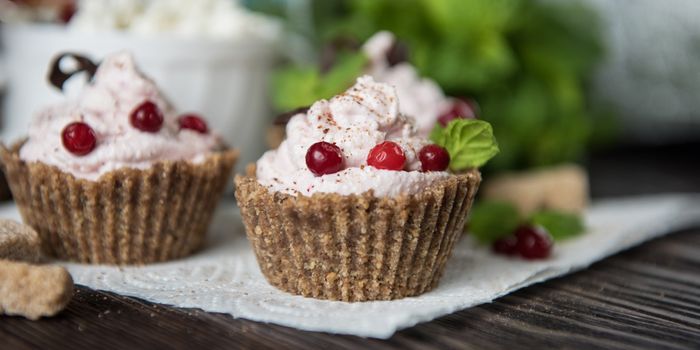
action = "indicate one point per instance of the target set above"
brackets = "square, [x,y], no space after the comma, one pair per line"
[19,242]
[357,247]
[128,216]
[33,291]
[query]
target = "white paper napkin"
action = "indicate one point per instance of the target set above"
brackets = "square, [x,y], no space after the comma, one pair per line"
[224,277]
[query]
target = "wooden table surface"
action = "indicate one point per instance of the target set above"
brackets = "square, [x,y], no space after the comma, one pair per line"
[646,297]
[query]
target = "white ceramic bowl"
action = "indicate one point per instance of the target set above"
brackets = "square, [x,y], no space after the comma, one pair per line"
[224,81]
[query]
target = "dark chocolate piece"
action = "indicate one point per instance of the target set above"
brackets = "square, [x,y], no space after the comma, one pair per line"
[57,77]
[398,53]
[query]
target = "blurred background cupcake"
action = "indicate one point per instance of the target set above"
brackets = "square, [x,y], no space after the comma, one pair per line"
[117,175]
[211,56]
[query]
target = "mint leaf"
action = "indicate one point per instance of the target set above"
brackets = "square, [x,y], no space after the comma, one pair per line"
[469,142]
[559,225]
[491,220]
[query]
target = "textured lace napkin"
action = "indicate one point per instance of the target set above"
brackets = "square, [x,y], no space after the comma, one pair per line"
[224,276]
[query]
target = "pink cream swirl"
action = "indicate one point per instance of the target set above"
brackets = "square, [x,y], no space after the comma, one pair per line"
[105,105]
[355,121]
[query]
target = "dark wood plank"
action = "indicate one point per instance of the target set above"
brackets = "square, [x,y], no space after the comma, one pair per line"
[648,297]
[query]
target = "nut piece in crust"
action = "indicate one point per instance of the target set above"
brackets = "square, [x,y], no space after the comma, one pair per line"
[19,242]
[33,291]
[563,188]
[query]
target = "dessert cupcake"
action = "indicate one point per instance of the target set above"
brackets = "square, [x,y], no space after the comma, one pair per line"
[116,176]
[354,205]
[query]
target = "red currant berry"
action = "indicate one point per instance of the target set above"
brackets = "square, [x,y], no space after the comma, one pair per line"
[194,122]
[147,117]
[460,109]
[324,158]
[434,158]
[387,155]
[78,138]
[506,245]
[533,242]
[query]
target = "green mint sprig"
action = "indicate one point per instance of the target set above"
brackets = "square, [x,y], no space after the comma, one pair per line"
[491,220]
[469,142]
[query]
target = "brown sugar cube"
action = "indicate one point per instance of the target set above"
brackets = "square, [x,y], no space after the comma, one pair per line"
[19,242]
[563,188]
[33,291]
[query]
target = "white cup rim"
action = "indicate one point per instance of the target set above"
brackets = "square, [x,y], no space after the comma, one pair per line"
[216,48]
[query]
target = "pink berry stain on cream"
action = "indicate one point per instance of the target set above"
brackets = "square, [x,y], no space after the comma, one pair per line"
[133,125]
[355,121]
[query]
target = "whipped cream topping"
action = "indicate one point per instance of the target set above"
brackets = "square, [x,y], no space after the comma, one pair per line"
[220,19]
[105,105]
[421,98]
[355,121]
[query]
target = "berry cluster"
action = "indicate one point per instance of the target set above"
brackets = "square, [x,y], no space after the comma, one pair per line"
[529,242]
[324,158]
[80,139]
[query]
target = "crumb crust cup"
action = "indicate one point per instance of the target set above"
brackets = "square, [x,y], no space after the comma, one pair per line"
[127,216]
[355,247]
